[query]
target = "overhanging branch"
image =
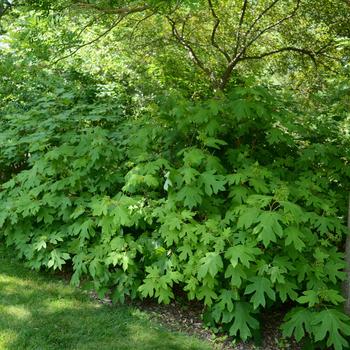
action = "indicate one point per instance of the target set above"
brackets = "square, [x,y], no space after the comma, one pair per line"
[283,49]
[79,47]
[240,57]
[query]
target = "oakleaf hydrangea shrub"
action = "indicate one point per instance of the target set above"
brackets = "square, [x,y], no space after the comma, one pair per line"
[236,200]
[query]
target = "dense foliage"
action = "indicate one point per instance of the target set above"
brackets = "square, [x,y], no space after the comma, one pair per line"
[237,198]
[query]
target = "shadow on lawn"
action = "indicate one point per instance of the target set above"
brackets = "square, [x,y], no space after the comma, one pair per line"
[39,313]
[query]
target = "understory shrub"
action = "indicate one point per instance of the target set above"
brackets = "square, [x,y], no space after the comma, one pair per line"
[236,200]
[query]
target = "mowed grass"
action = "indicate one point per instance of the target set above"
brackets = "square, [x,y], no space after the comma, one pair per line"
[41,312]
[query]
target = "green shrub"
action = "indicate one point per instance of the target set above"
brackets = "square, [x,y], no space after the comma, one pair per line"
[235,200]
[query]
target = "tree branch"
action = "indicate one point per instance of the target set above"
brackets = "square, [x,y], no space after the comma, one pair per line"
[138,23]
[77,34]
[292,14]
[228,71]
[239,54]
[239,57]
[188,47]
[87,25]
[324,47]
[283,49]
[4,8]
[213,33]
[184,23]
[257,19]
[77,48]
[241,20]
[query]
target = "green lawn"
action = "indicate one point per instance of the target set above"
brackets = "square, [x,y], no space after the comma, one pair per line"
[40,312]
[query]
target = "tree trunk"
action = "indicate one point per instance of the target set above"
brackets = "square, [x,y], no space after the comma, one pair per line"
[347,269]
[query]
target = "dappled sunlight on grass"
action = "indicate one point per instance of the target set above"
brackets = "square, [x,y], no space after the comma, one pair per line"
[51,306]
[42,312]
[13,282]
[18,311]
[6,338]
